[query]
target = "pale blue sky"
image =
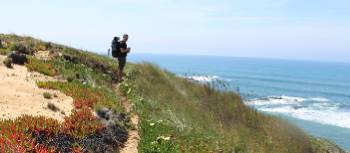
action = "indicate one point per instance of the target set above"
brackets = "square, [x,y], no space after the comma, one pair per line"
[293,29]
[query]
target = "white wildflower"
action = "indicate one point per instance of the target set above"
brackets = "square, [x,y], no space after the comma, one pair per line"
[163,138]
[153,142]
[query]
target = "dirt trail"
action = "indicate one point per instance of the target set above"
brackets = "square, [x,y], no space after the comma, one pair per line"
[132,143]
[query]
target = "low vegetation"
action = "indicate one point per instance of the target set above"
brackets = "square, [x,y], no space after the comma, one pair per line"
[4,51]
[44,67]
[200,118]
[176,114]
[197,117]
[85,95]
[47,95]
[8,62]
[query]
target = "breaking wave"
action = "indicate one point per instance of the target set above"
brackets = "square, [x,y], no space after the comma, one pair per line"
[203,78]
[316,109]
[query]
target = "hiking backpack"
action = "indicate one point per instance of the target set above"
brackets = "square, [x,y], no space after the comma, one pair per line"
[115,47]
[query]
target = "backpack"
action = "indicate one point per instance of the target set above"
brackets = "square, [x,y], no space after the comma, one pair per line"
[116,47]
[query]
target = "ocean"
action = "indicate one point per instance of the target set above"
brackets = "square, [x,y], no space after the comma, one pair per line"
[312,95]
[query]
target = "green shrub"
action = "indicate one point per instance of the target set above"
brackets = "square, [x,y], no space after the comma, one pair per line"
[48,45]
[20,48]
[47,95]
[4,51]
[8,62]
[70,78]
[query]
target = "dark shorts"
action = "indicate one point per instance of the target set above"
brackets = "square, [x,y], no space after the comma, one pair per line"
[122,62]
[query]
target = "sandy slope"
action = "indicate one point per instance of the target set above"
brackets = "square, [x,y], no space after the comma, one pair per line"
[19,94]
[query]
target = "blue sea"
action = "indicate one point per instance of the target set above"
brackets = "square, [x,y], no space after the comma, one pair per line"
[313,95]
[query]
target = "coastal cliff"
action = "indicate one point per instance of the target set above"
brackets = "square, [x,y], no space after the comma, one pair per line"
[83,109]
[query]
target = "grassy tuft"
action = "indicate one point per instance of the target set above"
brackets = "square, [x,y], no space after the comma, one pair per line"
[8,62]
[47,95]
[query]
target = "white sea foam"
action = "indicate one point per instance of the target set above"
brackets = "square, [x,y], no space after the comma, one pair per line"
[287,100]
[314,109]
[203,78]
[274,100]
[320,99]
[330,117]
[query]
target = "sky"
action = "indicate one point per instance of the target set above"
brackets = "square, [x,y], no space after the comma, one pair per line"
[290,29]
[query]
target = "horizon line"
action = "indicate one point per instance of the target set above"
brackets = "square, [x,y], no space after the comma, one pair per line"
[248,57]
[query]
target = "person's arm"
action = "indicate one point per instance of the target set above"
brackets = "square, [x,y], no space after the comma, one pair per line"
[123,50]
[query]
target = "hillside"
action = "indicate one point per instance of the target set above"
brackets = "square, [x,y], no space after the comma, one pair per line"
[168,113]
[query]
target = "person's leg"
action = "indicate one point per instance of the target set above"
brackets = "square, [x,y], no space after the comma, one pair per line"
[118,70]
[122,62]
[120,75]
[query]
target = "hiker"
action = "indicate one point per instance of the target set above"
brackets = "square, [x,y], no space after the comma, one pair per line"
[120,50]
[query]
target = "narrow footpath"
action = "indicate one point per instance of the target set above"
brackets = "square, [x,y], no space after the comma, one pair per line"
[131,145]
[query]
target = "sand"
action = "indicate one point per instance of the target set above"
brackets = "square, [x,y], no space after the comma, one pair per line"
[20,95]
[131,145]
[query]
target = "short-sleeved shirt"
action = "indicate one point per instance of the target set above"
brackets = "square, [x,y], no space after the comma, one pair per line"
[124,46]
